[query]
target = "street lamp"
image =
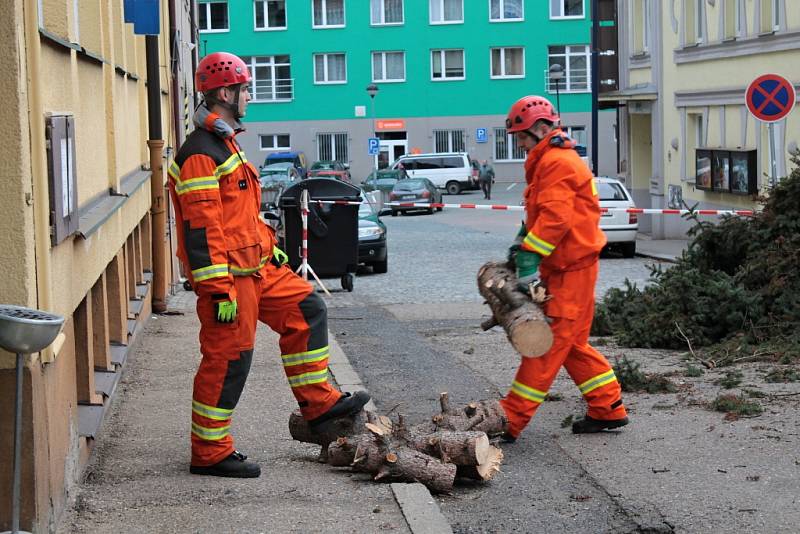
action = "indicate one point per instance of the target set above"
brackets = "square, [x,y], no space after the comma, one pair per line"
[372,90]
[556,72]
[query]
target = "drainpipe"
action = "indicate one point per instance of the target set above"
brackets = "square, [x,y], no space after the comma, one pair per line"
[158,207]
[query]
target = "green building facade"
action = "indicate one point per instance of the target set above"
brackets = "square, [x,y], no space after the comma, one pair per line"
[446,72]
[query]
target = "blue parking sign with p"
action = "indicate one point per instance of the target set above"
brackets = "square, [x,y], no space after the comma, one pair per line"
[374,146]
[481,136]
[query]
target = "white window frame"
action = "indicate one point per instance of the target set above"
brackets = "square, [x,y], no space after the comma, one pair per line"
[776,15]
[450,141]
[207,7]
[569,131]
[276,146]
[441,6]
[505,76]
[325,25]
[445,78]
[565,85]
[699,18]
[646,26]
[566,17]
[502,10]
[252,64]
[737,25]
[265,7]
[383,65]
[511,147]
[325,56]
[333,146]
[383,14]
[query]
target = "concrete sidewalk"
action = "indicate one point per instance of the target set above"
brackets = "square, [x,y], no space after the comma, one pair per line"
[139,481]
[660,249]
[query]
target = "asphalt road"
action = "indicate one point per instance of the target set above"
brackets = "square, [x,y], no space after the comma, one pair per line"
[398,330]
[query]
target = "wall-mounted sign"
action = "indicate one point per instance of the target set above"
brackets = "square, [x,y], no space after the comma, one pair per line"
[481,135]
[390,124]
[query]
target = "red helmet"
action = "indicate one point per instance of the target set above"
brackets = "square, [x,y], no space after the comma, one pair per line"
[220,69]
[527,110]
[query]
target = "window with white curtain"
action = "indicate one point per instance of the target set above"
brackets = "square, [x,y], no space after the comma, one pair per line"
[574,59]
[272,78]
[270,15]
[212,17]
[449,141]
[386,11]
[506,10]
[505,147]
[330,68]
[446,11]
[332,147]
[388,66]
[508,62]
[566,9]
[447,64]
[328,14]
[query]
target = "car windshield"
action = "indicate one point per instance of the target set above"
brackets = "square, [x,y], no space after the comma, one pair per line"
[279,159]
[611,191]
[409,185]
[323,165]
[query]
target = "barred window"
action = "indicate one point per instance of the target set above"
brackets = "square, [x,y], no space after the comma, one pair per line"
[332,147]
[449,141]
[505,147]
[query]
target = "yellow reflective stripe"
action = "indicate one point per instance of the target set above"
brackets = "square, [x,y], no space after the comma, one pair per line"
[597,381]
[196,184]
[306,379]
[538,244]
[209,412]
[230,165]
[210,434]
[244,271]
[528,392]
[311,356]
[174,171]
[594,189]
[212,271]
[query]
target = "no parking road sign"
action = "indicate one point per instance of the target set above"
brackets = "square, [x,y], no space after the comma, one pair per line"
[770,97]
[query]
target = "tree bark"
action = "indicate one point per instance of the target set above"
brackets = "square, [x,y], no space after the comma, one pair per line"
[523,320]
[483,416]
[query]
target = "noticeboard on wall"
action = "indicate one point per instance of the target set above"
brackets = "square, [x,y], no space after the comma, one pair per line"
[726,171]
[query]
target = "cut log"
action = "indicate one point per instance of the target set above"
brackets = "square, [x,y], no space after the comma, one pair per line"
[523,320]
[487,469]
[459,448]
[328,431]
[484,416]
[407,465]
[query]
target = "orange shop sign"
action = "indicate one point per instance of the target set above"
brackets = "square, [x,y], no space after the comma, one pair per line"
[390,124]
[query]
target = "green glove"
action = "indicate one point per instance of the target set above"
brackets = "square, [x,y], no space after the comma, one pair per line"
[515,247]
[527,268]
[280,256]
[226,311]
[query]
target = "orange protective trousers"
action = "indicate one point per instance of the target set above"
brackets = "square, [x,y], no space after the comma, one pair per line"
[571,310]
[287,304]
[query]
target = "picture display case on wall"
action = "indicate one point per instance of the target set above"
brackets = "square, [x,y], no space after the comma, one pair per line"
[726,171]
[703,169]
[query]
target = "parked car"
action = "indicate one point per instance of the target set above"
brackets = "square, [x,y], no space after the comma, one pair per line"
[383,180]
[451,172]
[298,159]
[372,250]
[330,169]
[274,179]
[620,227]
[416,190]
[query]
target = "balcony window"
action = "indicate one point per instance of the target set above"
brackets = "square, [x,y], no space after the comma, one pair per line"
[272,78]
[574,59]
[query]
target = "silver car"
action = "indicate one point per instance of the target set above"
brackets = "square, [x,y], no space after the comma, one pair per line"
[274,179]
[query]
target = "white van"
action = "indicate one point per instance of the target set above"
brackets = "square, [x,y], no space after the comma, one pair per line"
[451,171]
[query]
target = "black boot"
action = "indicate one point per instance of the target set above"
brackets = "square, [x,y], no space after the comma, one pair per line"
[347,406]
[589,425]
[234,466]
[505,437]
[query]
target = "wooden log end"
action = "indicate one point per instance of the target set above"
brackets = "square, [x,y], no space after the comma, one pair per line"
[391,458]
[375,429]
[531,339]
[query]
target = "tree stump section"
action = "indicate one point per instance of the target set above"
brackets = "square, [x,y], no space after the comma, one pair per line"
[521,317]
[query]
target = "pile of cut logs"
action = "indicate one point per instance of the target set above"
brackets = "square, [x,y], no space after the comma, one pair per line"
[455,443]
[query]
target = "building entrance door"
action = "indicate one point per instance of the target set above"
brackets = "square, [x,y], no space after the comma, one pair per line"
[393,145]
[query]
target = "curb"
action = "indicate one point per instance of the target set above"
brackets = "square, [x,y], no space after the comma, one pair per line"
[417,505]
[656,256]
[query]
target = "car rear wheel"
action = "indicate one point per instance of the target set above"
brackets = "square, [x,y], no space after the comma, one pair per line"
[381,267]
[347,282]
[453,188]
[628,249]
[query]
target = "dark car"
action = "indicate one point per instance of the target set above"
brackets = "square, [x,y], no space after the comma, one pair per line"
[383,180]
[298,159]
[418,191]
[372,239]
[274,179]
[330,169]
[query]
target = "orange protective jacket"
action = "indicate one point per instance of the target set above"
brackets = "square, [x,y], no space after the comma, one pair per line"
[563,212]
[217,195]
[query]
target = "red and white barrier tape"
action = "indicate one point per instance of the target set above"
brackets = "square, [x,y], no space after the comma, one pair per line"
[502,207]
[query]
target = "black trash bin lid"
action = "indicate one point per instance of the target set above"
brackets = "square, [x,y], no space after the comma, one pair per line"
[319,189]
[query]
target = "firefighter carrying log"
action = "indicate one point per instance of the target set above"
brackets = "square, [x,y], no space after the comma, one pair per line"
[559,245]
[240,278]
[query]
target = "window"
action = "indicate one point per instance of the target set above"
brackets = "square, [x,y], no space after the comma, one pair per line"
[274,142]
[388,66]
[272,78]
[213,16]
[328,14]
[449,141]
[732,19]
[446,11]
[447,64]
[641,26]
[576,133]
[770,16]
[506,10]
[505,147]
[574,59]
[386,11]
[332,147]
[330,68]
[508,62]
[566,9]
[270,15]
[694,22]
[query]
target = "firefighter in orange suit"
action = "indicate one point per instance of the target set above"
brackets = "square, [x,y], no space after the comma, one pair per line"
[238,274]
[559,244]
